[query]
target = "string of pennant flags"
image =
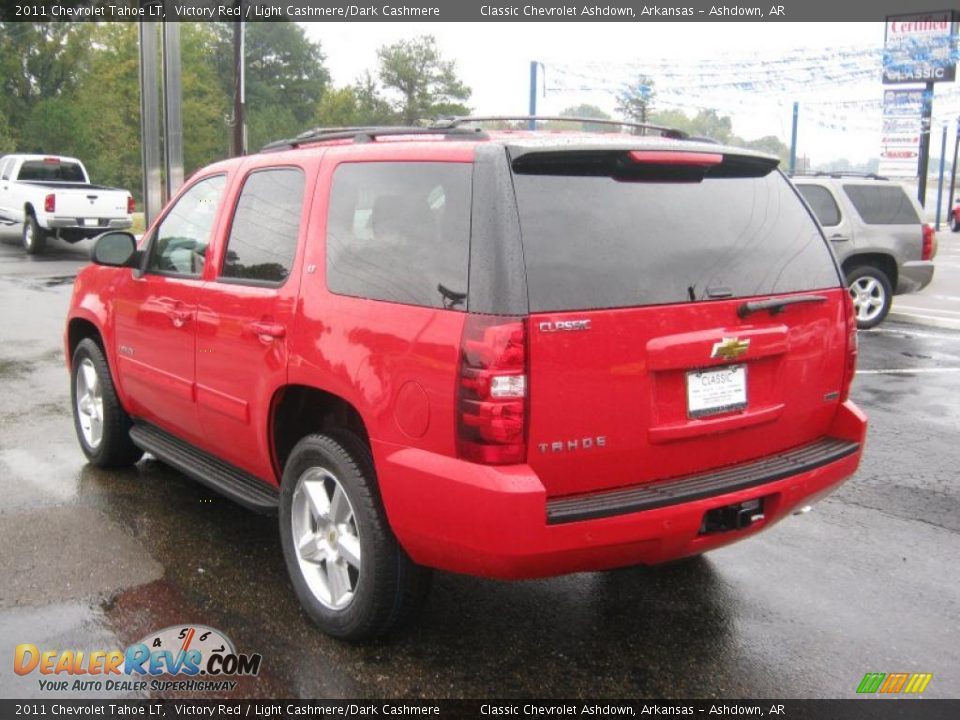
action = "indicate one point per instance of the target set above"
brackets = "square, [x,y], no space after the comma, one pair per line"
[839,89]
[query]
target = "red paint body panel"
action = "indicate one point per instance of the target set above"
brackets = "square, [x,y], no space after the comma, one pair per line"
[625,380]
[488,521]
[206,359]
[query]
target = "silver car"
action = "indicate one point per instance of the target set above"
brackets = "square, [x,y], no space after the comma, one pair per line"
[874,227]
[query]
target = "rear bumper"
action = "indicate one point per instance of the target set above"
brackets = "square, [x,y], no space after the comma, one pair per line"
[914,276]
[72,223]
[493,521]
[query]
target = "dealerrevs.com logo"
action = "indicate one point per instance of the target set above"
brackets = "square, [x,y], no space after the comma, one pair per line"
[199,658]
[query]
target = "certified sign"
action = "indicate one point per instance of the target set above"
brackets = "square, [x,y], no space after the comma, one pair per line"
[920,47]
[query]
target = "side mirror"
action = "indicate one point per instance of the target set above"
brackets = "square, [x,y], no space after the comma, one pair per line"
[115,249]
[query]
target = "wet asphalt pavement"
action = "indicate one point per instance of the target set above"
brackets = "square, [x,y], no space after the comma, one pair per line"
[868,581]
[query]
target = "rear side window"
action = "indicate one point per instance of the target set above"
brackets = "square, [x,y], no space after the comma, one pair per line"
[593,242]
[266,225]
[822,203]
[882,204]
[5,167]
[400,232]
[51,171]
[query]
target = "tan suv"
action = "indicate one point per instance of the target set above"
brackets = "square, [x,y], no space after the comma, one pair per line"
[875,229]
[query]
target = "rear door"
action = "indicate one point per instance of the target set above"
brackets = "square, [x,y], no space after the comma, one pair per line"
[245,315]
[836,225]
[645,361]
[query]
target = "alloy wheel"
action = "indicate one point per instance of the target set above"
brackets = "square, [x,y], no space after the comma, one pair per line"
[326,538]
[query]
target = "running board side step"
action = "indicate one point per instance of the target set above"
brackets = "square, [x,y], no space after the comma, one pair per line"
[236,484]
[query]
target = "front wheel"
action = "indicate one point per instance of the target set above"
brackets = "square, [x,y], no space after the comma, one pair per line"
[102,425]
[351,576]
[34,237]
[872,295]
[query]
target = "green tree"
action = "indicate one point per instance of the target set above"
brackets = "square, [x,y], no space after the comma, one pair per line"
[706,123]
[39,61]
[769,144]
[423,84]
[357,105]
[7,142]
[635,99]
[107,97]
[285,77]
[205,106]
[585,110]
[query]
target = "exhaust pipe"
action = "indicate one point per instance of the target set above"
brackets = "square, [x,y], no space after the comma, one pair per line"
[804,510]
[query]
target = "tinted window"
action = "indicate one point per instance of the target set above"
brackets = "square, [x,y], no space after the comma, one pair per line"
[181,240]
[882,204]
[51,170]
[822,203]
[266,224]
[595,242]
[400,232]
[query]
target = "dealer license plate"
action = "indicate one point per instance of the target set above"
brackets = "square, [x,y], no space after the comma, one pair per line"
[711,392]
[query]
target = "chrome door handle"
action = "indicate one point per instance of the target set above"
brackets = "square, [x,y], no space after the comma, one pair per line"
[180,318]
[268,331]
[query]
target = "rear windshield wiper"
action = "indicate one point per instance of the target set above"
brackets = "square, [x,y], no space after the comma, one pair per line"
[777,305]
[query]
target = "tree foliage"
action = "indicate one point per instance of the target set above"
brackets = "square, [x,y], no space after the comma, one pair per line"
[635,99]
[419,82]
[74,89]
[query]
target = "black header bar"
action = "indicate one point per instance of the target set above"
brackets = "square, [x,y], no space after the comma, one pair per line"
[459,10]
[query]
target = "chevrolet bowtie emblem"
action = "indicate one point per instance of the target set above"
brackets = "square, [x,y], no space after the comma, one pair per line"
[730,348]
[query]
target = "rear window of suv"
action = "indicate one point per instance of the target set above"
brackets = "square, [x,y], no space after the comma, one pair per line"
[882,204]
[593,242]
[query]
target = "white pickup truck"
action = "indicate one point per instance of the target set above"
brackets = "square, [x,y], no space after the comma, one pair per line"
[52,195]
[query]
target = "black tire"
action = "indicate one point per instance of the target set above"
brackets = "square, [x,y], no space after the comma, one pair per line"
[388,587]
[870,285]
[34,237]
[114,448]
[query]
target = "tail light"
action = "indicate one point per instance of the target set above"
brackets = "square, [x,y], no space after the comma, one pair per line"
[928,240]
[492,391]
[850,367]
[50,203]
[131,205]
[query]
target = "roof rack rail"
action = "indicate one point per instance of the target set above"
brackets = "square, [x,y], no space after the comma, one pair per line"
[453,122]
[844,173]
[369,133]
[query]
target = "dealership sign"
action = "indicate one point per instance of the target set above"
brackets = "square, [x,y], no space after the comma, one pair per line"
[920,47]
[902,125]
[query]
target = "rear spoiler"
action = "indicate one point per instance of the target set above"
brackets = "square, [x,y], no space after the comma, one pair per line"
[649,164]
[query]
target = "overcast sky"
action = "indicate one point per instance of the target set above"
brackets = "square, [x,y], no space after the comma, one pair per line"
[494,59]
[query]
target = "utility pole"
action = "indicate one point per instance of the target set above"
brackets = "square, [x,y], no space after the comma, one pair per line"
[953,170]
[793,139]
[150,122]
[925,120]
[239,99]
[172,109]
[532,124]
[943,159]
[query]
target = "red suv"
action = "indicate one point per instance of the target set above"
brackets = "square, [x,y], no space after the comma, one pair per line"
[507,354]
